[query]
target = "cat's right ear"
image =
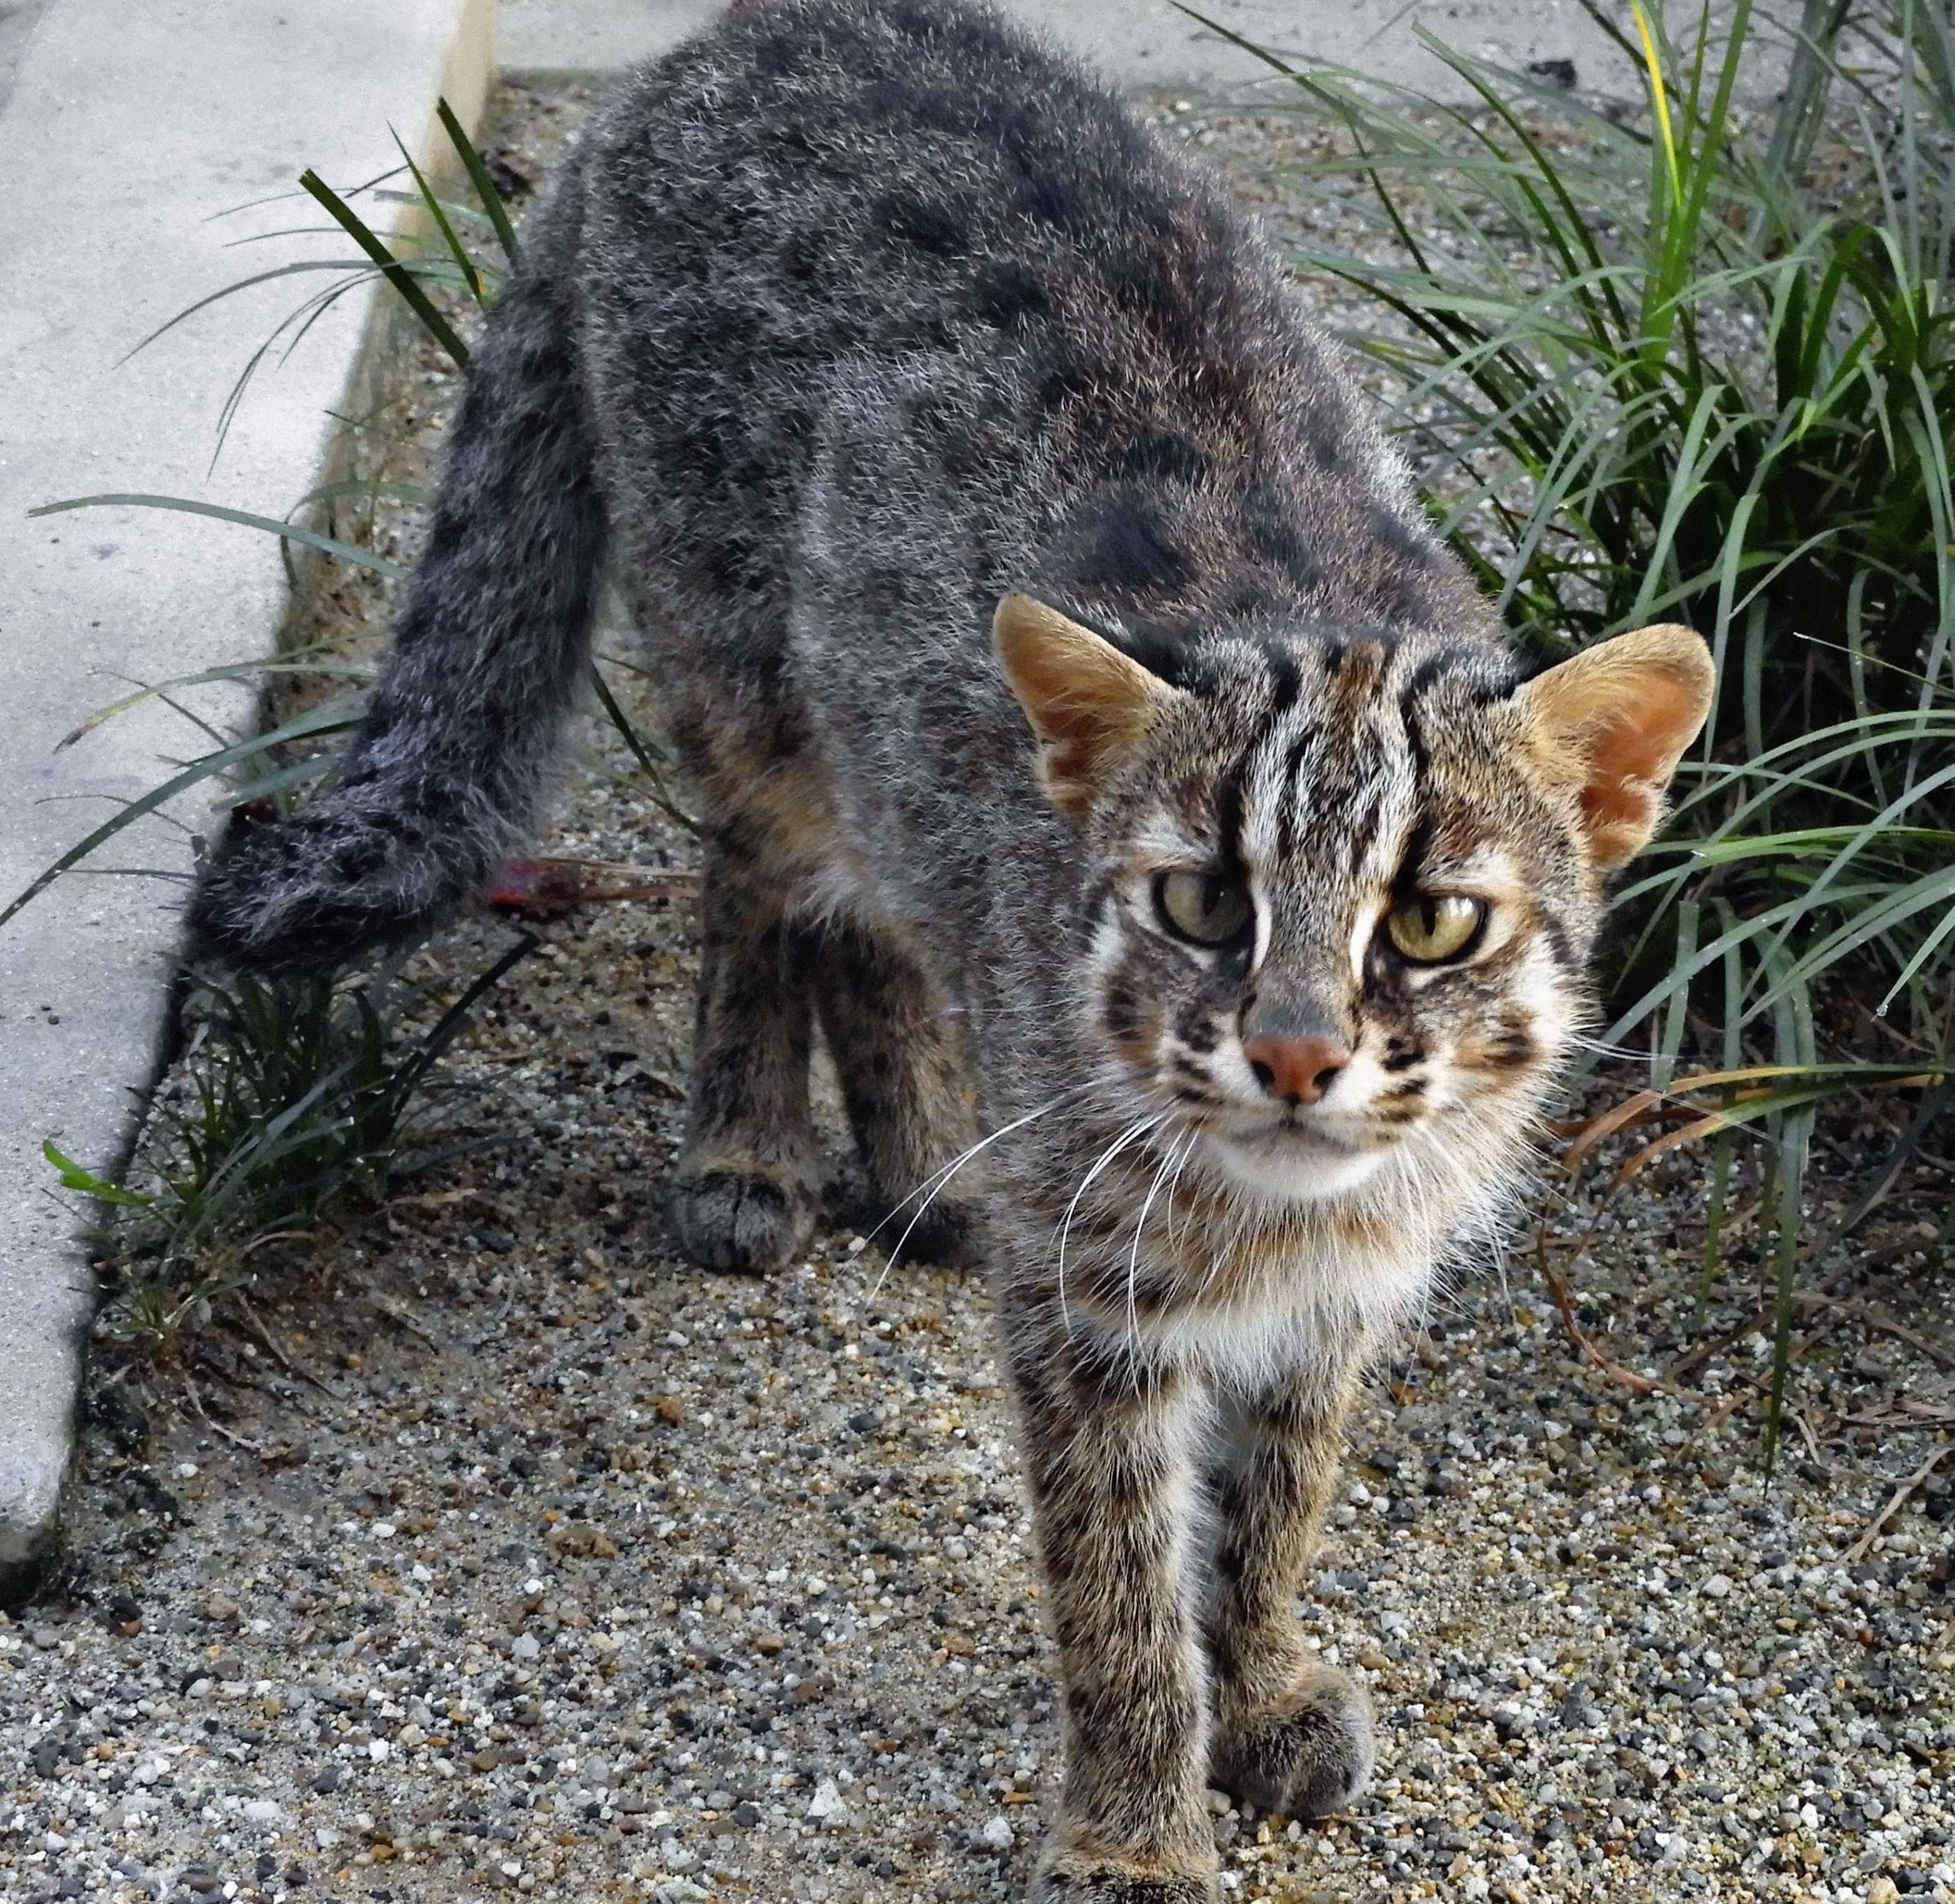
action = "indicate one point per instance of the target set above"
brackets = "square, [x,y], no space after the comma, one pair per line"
[1088,704]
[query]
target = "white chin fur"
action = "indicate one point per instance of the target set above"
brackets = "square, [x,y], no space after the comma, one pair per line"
[1293,1173]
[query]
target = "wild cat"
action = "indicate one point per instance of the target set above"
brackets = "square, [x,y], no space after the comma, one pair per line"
[1090,734]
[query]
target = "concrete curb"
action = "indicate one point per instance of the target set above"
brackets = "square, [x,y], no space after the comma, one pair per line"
[125,130]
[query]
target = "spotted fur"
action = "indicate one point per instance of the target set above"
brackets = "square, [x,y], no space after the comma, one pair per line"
[849,320]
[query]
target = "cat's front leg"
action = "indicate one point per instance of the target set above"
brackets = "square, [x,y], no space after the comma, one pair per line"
[1109,1449]
[1291,1735]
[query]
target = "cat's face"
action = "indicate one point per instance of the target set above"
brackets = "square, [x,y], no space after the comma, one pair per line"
[1343,891]
[1341,920]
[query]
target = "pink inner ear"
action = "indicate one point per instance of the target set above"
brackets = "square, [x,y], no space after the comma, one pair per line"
[1621,814]
[1078,709]
[1643,741]
[1085,699]
[1067,704]
[1071,760]
[1632,751]
[1612,722]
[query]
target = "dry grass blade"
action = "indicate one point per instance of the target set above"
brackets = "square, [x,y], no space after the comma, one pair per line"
[1564,1303]
[1618,1117]
[1901,1496]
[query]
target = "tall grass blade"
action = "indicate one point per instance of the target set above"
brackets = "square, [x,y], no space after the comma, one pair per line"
[312,726]
[432,205]
[478,176]
[396,273]
[344,552]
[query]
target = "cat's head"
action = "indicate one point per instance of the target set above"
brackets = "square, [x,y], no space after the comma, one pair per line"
[1342,884]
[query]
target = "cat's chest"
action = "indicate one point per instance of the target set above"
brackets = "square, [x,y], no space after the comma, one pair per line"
[1252,1315]
[1243,1295]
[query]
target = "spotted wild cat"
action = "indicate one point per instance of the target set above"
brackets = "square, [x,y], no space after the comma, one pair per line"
[1091,736]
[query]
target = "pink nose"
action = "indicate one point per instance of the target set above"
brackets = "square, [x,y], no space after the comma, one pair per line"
[1298,1071]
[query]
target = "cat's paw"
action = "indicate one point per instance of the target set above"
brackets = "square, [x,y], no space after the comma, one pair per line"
[1308,1755]
[1078,1874]
[726,1219]
[1110,1886]
[946,1234]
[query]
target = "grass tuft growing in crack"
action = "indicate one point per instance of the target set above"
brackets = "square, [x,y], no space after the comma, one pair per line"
[292,1101]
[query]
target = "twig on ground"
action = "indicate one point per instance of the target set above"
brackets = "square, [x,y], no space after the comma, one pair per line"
[255,1323]
[1716,1344]
[217,1427]
[1718,1417]
[1753,1387]
[1872,1317]
[402,1320]
[1865,1313]
[1913,1418]
[1557,1288]
[1804,1427]
[1858,1550]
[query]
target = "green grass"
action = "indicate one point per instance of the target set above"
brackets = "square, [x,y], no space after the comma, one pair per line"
[1648,371]
[295,1099]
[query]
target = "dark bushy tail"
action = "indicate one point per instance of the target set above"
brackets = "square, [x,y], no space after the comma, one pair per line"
[445,772]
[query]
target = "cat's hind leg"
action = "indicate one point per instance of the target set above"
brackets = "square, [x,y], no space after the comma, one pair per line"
[898,1051]
[744,1186]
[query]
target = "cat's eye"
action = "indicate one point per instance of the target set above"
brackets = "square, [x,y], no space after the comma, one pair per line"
[1210,908]
[1435,927]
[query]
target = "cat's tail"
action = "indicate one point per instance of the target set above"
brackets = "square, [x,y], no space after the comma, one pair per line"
[446,769]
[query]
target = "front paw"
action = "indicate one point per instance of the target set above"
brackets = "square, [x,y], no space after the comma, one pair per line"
[1122,1888]
[727,1218]
[1082,1877]
[1308,1755]
[945,1233]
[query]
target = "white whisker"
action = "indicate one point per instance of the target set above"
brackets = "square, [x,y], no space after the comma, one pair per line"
[933,1185]
[1134,1255]
[1174,1184]
[1603,1049]
[1133,1131]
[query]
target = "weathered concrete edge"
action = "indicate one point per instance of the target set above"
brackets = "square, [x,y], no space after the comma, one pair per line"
[1145,46]
[37,1476]
[389,326]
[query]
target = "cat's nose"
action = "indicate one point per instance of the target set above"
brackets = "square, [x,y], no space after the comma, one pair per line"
[1295,1071]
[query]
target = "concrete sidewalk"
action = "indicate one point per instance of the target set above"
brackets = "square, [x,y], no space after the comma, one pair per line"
[125,130]
[1140,42]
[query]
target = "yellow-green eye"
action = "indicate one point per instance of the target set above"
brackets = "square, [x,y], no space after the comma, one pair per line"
[1210,908]
[1435,927]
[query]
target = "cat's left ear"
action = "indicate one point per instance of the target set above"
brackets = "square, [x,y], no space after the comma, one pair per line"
[1089,704]
[1613,722]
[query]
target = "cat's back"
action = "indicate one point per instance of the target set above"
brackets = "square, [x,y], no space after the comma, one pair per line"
[885,155]
[891,182]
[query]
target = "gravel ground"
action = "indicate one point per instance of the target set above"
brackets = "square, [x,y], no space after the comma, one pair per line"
[489,1548]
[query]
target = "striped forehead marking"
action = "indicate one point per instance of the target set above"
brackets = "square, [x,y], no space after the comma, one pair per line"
[1330,793]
